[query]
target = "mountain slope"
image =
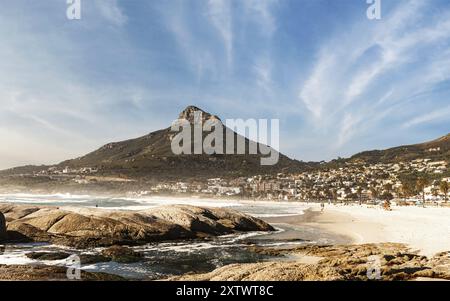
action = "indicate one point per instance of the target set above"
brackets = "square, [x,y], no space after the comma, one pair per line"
[438,149]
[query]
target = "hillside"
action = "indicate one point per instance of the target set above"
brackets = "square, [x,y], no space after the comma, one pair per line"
[438,149]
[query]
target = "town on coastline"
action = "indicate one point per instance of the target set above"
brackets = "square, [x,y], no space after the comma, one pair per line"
[420,181]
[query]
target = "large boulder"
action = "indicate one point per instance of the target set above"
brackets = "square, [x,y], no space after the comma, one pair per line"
[210,220]
[18,231]
[47,273]
[2,227]
[86,227]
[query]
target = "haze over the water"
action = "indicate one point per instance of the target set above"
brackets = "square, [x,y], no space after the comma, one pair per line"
[338,82]
[255,208]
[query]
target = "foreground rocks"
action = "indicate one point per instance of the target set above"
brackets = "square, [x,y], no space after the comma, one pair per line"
[48,273]
[267,271]
[83,227]
[345,262]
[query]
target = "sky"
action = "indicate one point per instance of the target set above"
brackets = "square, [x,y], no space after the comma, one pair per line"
[338,82]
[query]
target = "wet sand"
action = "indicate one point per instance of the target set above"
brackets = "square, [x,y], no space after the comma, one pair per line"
[341,227]
[355,231]
[305,227]
[327,227]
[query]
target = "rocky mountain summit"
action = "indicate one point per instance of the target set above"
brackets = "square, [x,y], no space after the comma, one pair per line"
[84,227]
[191,111]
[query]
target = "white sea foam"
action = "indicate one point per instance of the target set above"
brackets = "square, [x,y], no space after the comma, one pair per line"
[15,258]
[158,201]
[285,243]
[301,212]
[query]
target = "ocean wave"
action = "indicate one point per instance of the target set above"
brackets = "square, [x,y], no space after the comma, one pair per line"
[44,196]
[278,215]
[259,209]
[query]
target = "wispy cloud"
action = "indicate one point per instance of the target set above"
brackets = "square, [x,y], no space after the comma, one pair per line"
[263,72]
[346,55]
[433,116]
[197,56]
[369,65]
[347,128]
[261,12]
[111,11]
[220,15]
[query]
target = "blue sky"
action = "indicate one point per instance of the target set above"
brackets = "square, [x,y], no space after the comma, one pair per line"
[338,82]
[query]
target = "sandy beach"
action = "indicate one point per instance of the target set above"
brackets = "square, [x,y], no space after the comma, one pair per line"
[424,229]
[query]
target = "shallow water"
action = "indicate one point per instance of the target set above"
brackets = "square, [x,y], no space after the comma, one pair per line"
[160,259]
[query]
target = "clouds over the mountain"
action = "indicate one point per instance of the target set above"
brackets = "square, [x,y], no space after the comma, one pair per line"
[339,82]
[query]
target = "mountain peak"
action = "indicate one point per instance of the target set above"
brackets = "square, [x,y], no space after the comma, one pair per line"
[191,109]
[189,114]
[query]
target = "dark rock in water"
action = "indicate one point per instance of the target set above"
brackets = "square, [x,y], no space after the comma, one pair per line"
[32,273]
[2,227]
[85,227]
[93,258]
[122,254]
[48,255]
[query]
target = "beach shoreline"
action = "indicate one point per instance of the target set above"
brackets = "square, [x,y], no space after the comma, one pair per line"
[422,229]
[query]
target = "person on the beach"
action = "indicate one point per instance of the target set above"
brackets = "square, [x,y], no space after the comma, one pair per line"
[322,207]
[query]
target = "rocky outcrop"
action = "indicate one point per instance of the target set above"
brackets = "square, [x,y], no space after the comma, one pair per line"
[209,220]
[118,254]
[268,271]
[48,273]
[190,112]
[122,254]
[48,255]
[344,262]
[2,227]
[83,227]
